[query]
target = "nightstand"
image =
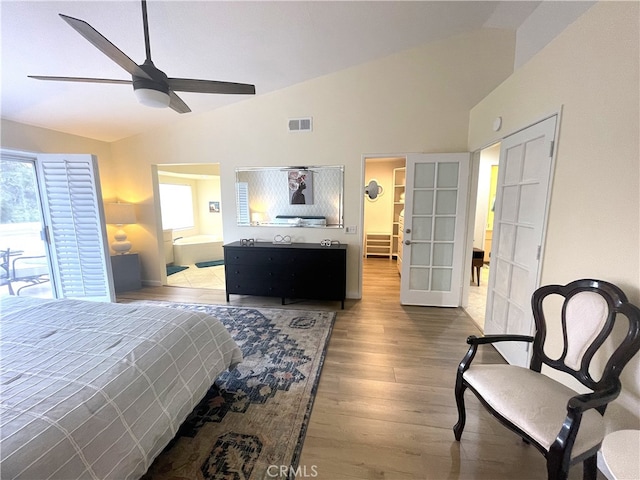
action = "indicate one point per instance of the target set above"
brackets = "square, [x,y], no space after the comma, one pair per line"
[126,272]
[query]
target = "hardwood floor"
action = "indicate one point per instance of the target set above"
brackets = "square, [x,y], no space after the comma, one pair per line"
[385,406]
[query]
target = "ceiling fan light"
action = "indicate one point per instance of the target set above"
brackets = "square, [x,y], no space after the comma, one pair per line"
[152,98]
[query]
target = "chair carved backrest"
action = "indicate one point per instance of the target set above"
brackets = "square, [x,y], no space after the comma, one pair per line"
[590,310]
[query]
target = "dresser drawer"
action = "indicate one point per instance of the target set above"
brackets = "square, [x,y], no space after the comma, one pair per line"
[257,257]
[243,280]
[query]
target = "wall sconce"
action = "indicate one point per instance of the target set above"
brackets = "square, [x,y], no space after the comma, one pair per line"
[120,214]
[373,190]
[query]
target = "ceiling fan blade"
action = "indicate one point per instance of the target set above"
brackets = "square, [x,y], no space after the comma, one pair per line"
[80,79]
[105,46]
[177,104]
[210,86]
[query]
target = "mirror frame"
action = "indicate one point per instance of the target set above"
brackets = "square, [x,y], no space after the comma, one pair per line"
[280,210]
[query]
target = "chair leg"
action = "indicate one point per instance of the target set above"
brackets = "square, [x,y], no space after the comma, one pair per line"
[462,415]
[554,468]
[590,468]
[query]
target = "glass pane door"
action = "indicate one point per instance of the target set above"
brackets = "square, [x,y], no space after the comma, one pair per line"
[24,265]
[433,236]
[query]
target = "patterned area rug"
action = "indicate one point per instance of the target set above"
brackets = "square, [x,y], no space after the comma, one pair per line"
[252,422]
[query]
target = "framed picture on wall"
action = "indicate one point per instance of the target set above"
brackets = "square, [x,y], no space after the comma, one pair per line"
[214,207]
[300,187]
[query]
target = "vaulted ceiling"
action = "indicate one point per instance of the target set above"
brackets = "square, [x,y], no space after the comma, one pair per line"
[270,44]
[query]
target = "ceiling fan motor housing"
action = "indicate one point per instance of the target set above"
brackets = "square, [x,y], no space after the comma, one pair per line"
[159,80]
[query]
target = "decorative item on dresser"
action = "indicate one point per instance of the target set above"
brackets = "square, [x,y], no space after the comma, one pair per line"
[297,270]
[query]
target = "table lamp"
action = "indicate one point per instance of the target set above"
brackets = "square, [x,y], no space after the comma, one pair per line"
[120,214]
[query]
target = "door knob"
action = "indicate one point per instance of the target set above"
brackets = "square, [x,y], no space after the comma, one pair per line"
[407,242]
[408,230]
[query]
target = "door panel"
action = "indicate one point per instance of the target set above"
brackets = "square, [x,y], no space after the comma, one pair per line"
[70,189]
[435,211]
[524,179]
[24,269]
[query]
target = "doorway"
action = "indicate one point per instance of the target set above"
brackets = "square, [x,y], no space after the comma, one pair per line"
[483,233]
[381,221]
[425,233]
[521,208]
[189,203]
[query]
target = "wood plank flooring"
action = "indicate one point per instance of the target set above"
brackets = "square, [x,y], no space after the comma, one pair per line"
[385,406]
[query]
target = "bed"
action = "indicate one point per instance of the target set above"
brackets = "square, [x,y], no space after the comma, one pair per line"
[96,390]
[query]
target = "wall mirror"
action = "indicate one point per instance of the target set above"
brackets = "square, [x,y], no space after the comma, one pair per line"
[307,196]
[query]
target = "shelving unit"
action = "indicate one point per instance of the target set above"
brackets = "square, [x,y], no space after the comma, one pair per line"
[378,244]
[399,175]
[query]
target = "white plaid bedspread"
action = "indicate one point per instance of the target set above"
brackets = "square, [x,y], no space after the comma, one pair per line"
[96,390]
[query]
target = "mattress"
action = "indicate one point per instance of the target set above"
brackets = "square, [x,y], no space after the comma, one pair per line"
[96,390]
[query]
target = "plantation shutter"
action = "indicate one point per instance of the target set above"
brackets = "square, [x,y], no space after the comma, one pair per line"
[70,189]
[242,202]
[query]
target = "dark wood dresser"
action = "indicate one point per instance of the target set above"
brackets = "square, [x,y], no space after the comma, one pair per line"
[298,270]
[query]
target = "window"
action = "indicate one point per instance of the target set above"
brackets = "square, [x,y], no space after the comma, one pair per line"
[176,203]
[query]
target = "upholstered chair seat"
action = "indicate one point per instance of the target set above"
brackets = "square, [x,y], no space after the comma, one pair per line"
[534,403]
[567,427]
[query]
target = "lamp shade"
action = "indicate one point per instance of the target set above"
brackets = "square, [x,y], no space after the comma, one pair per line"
[120,213]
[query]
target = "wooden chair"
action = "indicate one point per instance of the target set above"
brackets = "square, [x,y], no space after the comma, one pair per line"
[566,427]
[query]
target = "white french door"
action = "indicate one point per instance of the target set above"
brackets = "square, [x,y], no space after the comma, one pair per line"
[434,224]
[524,179]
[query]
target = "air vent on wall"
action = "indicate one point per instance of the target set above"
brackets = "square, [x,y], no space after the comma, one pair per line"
[300,124]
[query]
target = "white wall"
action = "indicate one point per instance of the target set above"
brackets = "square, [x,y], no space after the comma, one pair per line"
[592,70]
[416,101]
[210,222]
[26,138]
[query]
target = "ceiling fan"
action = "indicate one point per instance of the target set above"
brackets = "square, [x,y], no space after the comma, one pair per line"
[151,85]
